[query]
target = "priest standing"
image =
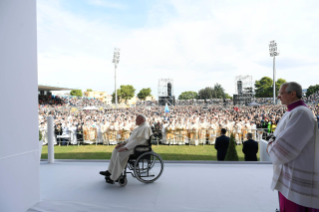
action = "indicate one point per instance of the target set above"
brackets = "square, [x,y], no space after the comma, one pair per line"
[122,151]
[294,151]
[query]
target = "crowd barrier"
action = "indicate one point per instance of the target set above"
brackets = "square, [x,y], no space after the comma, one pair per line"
[87,136]
[97,135]
[112,137]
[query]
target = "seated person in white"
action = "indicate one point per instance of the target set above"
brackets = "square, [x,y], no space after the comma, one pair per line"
[65,134]
[122,151]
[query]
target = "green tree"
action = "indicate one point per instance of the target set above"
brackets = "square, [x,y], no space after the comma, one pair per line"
[219,91]
[40,135]
[279,82]
[89,89]
[206,93]
[227,96]
[126,92]
[118,96]
[188,95]
[211,93]
[312,89]
[145,92]
[76,93]
[263,87]
[231,154]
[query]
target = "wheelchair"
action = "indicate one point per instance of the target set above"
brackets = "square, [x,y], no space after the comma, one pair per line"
[144,165]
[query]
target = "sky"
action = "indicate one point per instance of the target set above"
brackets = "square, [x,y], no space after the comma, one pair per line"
[197,43]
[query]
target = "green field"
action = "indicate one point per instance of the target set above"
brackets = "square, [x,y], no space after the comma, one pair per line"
[206,152]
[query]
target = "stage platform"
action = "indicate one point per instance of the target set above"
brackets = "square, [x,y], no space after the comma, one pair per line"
[189,187]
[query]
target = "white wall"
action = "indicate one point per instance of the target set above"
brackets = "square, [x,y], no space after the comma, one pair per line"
[19,159]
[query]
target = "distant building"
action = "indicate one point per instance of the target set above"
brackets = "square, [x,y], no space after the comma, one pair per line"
[150,98]
[108,99]
[101,95]
[134,99]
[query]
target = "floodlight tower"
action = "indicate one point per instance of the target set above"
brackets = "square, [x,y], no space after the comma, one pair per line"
[116,60]
[273,51]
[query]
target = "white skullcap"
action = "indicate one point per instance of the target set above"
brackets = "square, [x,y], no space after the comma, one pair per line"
[144,117]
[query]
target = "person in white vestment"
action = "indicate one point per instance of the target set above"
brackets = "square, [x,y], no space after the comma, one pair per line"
[99,132]
[294,151]
[122,151]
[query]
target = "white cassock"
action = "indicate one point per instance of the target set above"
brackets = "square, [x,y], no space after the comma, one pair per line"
[118,161]
[73,138]
[295,157]
[164,133]
[99,133]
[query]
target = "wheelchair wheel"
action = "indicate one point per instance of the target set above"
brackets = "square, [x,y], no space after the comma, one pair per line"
[148,167]
[122,181]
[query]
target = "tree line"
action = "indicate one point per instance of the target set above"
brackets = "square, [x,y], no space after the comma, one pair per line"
[125,92]
[215,92]
[263,88]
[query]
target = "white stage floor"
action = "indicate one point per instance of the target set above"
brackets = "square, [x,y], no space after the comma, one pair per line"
[187,187]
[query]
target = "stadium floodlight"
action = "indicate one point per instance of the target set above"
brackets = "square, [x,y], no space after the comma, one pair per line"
[273,51]
[116,60]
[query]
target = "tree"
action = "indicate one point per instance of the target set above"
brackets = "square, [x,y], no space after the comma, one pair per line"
[118,96]
[279,82]
[206,93]
[145,92]
[231,154]
[76,93]
[211,93]
[219,91]
[264,87]
[89,89]
[227,96]
[127,92]
[188,95]
[312,89]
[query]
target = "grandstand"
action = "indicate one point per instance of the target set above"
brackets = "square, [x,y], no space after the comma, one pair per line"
[47,90]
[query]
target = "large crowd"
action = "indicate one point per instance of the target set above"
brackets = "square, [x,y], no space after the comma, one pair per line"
[51,100]
[181,125]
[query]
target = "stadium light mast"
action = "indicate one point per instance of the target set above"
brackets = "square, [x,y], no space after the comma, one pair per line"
[273,51]
[116,60]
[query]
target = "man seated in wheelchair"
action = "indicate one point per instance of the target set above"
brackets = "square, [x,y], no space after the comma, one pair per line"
[123,150]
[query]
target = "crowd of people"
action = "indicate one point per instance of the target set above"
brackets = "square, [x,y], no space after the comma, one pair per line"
[312,99]
[52,100]
[182,125]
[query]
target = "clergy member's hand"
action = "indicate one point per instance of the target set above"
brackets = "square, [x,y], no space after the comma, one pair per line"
[123,149]
[119,145]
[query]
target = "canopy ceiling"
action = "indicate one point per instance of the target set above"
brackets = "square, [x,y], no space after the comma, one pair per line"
[52,88]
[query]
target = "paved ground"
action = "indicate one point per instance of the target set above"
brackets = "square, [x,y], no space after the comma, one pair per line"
[77,186]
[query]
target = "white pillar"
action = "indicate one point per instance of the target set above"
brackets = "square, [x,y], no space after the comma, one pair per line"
[263,155]
[19,127]
[274,86]
[50,139]
[115,87]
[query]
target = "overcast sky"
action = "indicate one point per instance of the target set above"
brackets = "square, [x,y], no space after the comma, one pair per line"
[197,43]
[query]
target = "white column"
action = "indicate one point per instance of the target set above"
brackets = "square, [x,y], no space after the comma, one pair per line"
[50,139]
[274,86]
[19,130]
[263,155]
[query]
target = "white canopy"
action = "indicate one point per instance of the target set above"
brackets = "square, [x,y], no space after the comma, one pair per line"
[90,108]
